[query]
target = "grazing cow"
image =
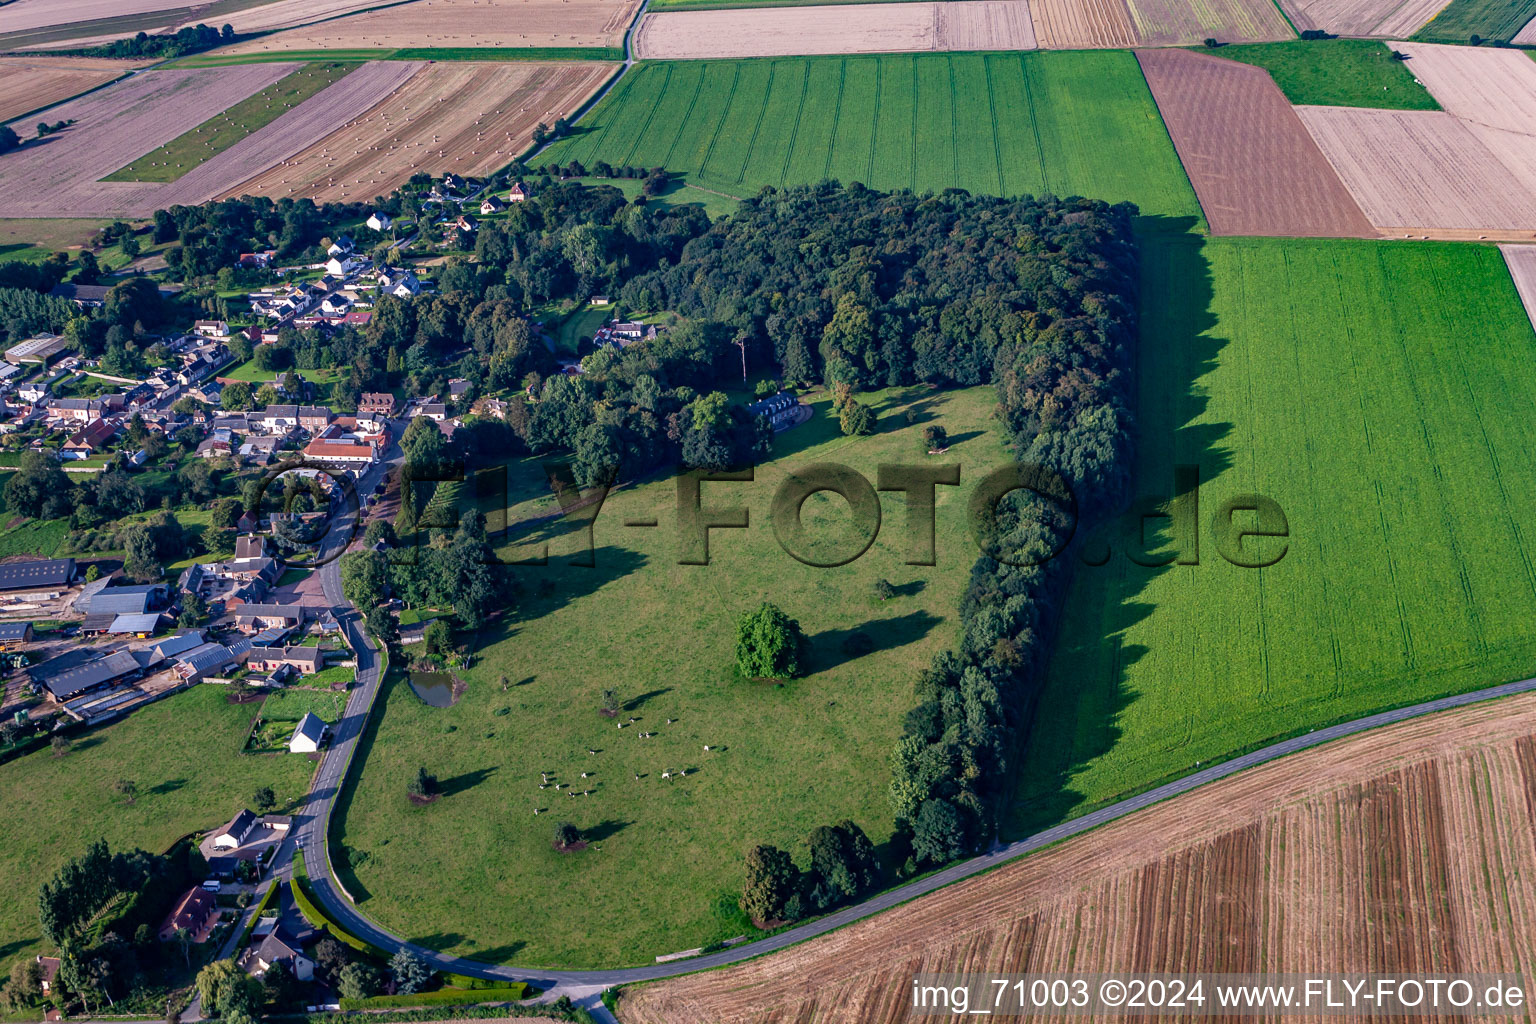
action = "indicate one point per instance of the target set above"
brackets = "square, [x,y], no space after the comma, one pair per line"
[707,747]
[586,775]
[666,775]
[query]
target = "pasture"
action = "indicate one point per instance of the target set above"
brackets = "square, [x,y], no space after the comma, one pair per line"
[1377,391]
[224,130]
[1403,849]
[182,752]
[1338,73]
[1069,123]
[664,852]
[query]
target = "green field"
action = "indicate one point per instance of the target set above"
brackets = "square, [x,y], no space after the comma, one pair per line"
[1336,73]
[676,193]
[1380,393]
[1493,20]
[1069,123]
[480,53]
[291,704]
[184,754]
[661,634]
[222,131]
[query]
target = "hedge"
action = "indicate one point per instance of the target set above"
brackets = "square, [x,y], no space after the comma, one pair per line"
[512,993]
[299,883]
[465,981]
[251,925]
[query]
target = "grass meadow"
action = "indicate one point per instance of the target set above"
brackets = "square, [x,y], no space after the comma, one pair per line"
[1336,73]
[475,873]
[218,133]
[1379,392]
[1078,123]
[182,752]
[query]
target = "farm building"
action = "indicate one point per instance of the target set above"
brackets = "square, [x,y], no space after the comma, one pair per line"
[38,349]
[44,574]
[180,643]
[15,633]
[139,624]
[307,660]
[75,676]
[307,735]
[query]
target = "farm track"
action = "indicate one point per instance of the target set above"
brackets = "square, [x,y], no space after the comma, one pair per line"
[1250,159]
[1401,850]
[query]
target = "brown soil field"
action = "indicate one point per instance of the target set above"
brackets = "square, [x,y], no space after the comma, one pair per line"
[1186,22]
[1406,849]
[1250,159]
[59,176]
[1525,37]
[27,83]
[30,14]
[795,31]
[1083,24]
[459,23]
[1389,18]
[1413,169]
[1521,261]
[1485,86]
[277,14]
[463,117]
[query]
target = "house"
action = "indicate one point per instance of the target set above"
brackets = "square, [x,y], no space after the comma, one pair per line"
[307,735]
[41,574]
[518,193]
[253,618]
[91,438]
[598,300]
[211,328]
[251,546]
[431,410]
[335,305]
[233,835]
[464,222]
[274,949]
[340,247]
[458,388]
[376,404]
[781,410]
[247,523]
[195,913]
[49,970]
[492,205]
[40,348]
[260,450]
[32,392]
[305,660]
[341,453]
[400,283]
[84,410]
[379,221]
[341,266]
[257,260]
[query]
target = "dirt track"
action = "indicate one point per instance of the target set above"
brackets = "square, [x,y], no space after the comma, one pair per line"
[1250,159]
[458,23]
[1408,848]
[795,31]
[462,117]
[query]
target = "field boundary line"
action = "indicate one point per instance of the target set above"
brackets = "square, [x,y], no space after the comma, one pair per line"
[762,112]
[794,131]
[682,122]
[725,113]
[997,133]
[837,116]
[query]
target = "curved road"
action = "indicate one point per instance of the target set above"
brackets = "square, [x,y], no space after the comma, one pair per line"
[328,781]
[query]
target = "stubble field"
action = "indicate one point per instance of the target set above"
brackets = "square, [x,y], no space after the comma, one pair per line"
[1083,24]
[1252,163]
[1403,850]
[460,23]
[1187,22]
[1377,392]
[1383,18]
[665,864]
[461,117]
[1069,123]
[793,31]
[30,83]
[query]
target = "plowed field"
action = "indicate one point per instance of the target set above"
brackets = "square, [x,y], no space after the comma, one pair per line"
[468,118]
[1406,849]
[1388,18]
[460,23]
[1253,165]
[1083,24]
[1490,87]
[27,83]
[845,28]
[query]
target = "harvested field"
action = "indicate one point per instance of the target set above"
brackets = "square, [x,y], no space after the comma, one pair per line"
[1423,169]
[1406,849]
[30,83]
[461,23]
[801,31]
[1490,87]
[58,176]
[1083,24]
[1387,18]
[1521,261]
[468,118]
[1185,22]
[1527,34]
[1250,159]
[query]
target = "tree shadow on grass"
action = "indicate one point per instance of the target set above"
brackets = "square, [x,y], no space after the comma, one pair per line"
[636,703]
[168,786]
[603,830]
[833,647]
[468,780]
[496,954]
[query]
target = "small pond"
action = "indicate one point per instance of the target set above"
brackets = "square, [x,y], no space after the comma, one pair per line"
[434,688]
